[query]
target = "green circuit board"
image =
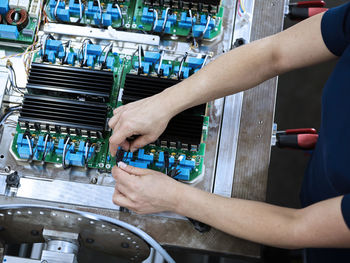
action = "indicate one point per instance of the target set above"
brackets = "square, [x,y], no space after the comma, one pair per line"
[133,19]
[101,158]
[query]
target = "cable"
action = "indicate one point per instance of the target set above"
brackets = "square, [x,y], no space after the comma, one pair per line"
[64,153]
[109,48]
[165,18]
[30,147]
[140,51]
[191,30]
[206,27]
[160,63]
[100,8]
[83,57]
[43,45]
[9,112]
[121,15]
[181,65]
[155,19]
[45,146]
[204,61]
[87,149]
[66,51]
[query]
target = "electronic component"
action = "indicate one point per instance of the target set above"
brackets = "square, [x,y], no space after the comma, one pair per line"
[72,82]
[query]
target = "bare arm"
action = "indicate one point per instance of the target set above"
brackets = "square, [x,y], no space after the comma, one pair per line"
[319,225]
[235,71]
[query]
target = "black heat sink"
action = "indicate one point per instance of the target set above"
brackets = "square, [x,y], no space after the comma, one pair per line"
[208,2]
[185,127]
[70,82]
[137,87]
[81,115]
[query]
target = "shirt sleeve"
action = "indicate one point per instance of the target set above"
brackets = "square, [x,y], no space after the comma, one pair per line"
[335,28]
[345,208]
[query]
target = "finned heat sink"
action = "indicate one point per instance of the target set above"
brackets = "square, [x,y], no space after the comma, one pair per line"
[184,128]
[63,115]
[70,82]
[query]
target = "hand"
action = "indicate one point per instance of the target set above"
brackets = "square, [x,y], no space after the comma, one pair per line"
[146,118]
[144,191]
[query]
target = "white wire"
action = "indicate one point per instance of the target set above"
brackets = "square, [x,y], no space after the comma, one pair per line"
[30,147]
[156,19]
[120,13]
[80,10]
[160,62]
[165,18]
[206,25]
[56,7]
[99,7]
[64,152]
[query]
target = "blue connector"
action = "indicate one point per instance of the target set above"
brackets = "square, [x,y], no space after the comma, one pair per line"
[23,147]
[151,57]
[195,63]
[60,147]
[146,66]
[138,164]
[72,56]
[107,19]
[74,8]
[113,12]
[9,31]
[52,48]
[185,70]
[204,22]
[41,145]
[127,156]
[184,174]
[147,17]
[98,18]
[92,9]
[160,162]
[4,7]
[185,21]
[166,69]
[93,51]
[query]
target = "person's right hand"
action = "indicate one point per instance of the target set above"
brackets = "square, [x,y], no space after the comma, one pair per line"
[146,119]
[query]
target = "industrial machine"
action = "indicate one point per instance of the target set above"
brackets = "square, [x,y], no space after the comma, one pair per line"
[81,61]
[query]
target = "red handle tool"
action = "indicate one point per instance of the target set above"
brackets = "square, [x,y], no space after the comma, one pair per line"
[309,4]
[304,139]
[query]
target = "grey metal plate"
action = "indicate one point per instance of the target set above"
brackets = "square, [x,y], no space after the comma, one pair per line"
[25,225]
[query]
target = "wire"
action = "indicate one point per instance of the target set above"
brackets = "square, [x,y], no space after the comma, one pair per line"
[204,61]
[140,51]
[109,48]
[64,153]
[66,51]
[45,146]
[165,18]
[30,147]
[43,45]
[160,62]
[100,8]
[155,19]
[82,49]
[191,31]
[121,15]
[206,26]
[9,112]
[87,149]
[241,5]
[181,65]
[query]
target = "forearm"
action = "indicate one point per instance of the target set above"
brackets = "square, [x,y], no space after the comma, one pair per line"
[255,221]
[235,71]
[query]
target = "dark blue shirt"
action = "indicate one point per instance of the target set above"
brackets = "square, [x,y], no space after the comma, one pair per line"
[328,172]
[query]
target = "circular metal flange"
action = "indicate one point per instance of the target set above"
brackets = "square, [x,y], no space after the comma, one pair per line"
[25,224]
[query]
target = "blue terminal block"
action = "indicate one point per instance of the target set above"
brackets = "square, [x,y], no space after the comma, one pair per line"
[147,16]
[72,56]
[184,174]
[142,157]
[60,147]
[53,3]
[127,156]
[138,164]
[98,19]
[195,63]
[74,8]
[109,61]
[4,7]
[185,70]
[160,162]
[93,51]
[76,159]
[115,15]
[92,9]
[52,48]
[40,146]
[146,66]
[9,31]
[185,21]
[166,69]
[198,31]
[23,146]
[187,163]
[204,22]
[151,57]
[107,19]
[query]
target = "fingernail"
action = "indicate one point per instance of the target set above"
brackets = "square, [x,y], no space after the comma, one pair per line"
[122,165]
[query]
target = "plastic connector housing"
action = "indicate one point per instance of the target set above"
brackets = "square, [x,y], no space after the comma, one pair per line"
[23,4]
[35,8]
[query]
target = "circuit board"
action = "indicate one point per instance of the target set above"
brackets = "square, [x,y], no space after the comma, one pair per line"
[142,16]
[47,143]
[19,20]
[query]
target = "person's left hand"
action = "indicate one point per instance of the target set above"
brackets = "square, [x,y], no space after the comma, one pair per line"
[143,190]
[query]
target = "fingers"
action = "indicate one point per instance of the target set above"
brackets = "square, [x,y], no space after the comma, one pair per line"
[118,138]
[121,200]
[131,169]
[139,142]
[115,119]
[122,177]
